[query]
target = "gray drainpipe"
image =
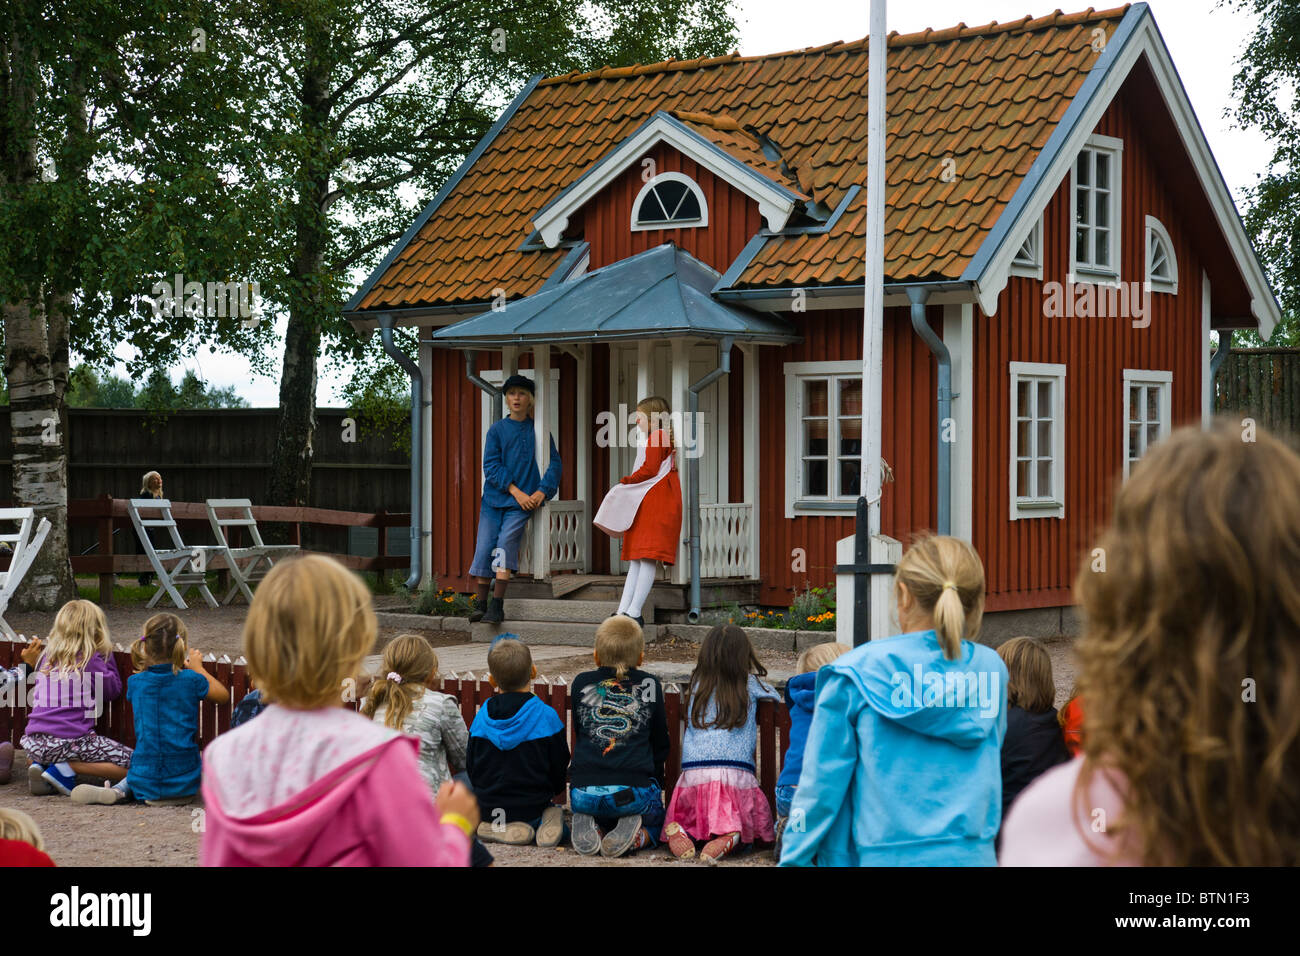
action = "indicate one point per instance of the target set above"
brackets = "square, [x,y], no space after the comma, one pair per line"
[693,471]
[417,458]
[472,374]
[943,454]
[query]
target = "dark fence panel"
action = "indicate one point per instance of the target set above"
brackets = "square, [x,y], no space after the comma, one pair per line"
[1263,384]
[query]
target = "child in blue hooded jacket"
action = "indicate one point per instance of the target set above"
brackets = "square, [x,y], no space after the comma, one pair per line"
[903,761]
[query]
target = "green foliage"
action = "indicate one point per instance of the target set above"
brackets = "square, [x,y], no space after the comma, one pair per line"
[1269,68]
[379,392]
[444,602]
[87,390]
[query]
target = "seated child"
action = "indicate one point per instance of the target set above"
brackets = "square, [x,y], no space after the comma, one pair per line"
[1071,720]
[310,782]
[901,766]
[75,677]
[616,776]
[717,797]
[800,695]
[517,758]
[1033,744]
[1189,667]
[165,691]
[21,843]
[249,706]
[11,679]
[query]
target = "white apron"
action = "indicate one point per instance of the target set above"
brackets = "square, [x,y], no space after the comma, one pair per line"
[618,510]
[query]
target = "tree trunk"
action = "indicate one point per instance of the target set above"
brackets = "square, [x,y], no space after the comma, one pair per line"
[290,479]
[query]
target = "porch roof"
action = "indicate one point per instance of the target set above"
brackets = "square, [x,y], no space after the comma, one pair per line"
[660,293]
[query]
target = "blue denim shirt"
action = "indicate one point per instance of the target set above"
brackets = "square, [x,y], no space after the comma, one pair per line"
[166,709]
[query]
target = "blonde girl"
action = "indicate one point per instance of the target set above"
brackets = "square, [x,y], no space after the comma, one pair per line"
[309,782]
[1189,667]
[21,843]
[402,698]
[645,508]
[165,691]
[902,762]
[75,677]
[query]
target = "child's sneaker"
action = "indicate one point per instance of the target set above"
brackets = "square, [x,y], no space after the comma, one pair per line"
[586,835]
[551,829]
[512,834]
[87,793]
[6,761]
[61,778]
[36,781]
[716,849]
[620,839]
[680,843]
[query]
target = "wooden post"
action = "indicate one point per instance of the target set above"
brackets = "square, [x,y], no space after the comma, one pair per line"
[104,527]
[751,459]
[679,399]
[542,435]
[381,545]
[583,441]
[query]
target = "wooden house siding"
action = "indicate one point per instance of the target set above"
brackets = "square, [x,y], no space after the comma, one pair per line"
[1031,563]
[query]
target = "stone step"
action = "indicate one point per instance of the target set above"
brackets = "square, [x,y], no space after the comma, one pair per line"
[561,609]
[578,634]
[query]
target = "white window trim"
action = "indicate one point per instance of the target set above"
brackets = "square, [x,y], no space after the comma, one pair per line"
[1053,507]
[671,177]
[1091,274]
[1156,227]
[795,506]
[1133,376]
[1030,270]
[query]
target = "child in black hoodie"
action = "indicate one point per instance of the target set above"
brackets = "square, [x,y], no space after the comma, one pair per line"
[1034,742]
[517,757]
[620,746]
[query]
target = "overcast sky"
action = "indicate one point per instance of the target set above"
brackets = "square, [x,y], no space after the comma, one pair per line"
[1204,37]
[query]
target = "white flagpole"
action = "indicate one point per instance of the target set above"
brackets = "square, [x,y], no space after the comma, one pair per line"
[873,314]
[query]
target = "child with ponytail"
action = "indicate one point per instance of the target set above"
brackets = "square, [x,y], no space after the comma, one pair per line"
[164,692]
[902,765]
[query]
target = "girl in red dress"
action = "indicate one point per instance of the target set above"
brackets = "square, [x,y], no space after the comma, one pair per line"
[651,497]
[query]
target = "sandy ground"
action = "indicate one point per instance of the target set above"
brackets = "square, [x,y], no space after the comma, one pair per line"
[137,835]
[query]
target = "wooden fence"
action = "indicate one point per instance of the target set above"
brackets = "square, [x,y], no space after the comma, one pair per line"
[116,721]
[1263,384]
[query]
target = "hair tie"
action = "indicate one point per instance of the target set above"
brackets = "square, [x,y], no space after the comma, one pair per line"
[949,584]
[395,677]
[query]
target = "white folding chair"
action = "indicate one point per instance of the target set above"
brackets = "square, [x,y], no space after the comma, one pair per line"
[189,564]
[24,547]
[254,556]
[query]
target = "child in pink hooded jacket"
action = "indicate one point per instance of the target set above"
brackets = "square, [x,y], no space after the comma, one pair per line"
[310,783]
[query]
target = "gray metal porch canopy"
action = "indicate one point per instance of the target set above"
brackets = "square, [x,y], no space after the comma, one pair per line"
[663,292]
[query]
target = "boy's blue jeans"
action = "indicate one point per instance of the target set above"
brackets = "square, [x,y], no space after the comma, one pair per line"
[785,797]
[607,804]
[500,531]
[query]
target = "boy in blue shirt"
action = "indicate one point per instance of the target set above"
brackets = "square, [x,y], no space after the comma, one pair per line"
[512,491]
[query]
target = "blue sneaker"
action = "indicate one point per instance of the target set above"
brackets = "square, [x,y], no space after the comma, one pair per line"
[60,777]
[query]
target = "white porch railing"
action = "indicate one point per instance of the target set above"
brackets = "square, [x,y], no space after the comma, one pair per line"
[568,535]
[725,542]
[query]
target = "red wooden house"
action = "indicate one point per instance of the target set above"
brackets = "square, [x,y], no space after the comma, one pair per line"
[1055,223]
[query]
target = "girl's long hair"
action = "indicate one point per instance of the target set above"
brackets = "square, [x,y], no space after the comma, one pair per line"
[946,578]
[163,641]
[656,409]
[79,631]
[412,658]
[1189,659]
[721,675]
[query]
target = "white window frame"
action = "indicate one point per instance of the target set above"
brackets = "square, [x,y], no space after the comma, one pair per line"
[1030,267]
[796,373]
[1155,229]
[1089,272]
[1053,504]
[671,177]
[1146,378]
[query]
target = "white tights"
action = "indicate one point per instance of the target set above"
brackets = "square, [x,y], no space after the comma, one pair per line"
[640,578]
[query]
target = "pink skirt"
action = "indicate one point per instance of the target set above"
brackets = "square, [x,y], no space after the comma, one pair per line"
[711,801]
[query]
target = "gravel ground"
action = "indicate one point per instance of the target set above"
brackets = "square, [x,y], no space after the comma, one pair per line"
[137,835]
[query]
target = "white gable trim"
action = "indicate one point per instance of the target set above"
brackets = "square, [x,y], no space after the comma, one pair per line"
[775,202]
[1146,40]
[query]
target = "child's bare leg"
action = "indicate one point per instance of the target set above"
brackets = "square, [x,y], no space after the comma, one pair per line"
[110,771]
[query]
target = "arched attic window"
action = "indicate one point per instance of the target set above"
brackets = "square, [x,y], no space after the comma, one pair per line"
[1162,264]
[669,201]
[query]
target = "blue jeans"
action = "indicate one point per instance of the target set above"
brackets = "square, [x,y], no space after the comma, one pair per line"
[607,804]
[500,531]
[785,797]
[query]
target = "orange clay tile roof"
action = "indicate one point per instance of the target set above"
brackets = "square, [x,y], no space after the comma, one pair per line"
[988,97]
[724,132]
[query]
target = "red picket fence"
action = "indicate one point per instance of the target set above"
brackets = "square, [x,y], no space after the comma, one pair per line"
[116,721]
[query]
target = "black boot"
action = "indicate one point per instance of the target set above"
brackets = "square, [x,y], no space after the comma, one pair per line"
[480,604]
[496,611]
